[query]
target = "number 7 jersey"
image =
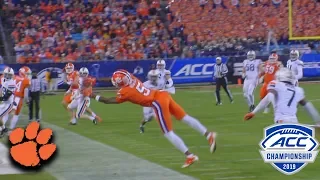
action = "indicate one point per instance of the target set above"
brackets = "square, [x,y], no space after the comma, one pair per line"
[287,100]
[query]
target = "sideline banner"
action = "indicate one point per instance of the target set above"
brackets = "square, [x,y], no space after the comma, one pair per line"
[193,70]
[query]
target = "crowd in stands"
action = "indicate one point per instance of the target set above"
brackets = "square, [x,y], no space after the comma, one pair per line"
[99,30]
[76,30]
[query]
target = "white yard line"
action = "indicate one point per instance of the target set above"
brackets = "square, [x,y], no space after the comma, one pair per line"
[81,158]
[236,177]
[5,165]
[217,173]
[209,169]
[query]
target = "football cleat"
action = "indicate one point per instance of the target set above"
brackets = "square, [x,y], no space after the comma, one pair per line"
[70,123]
[251,108]
[218,104]
[190,160]
[212,141]
[98,118]
[141,129]
[95,122]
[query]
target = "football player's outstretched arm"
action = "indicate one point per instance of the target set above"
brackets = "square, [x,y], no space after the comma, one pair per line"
[270,97]
[266,101]
[111,100]
[312,111]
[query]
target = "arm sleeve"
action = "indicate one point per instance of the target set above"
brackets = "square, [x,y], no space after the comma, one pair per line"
[224,69]
[312,111]
[214,72]
[264,102]
[169,82]
[300,71]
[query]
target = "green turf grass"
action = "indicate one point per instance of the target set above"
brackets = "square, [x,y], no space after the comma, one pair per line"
[237,154]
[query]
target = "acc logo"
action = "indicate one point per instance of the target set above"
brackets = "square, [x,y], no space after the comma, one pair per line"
[42,75]
[196,70]
[289,147]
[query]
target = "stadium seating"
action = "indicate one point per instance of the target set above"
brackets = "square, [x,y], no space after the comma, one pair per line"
[91,31]
[124,30]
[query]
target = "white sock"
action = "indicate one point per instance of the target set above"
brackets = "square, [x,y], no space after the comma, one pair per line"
[252,98]
[89,117]
[248,100]
[14,121]
[176,141]
[93,114]
[4,120]
[195,124]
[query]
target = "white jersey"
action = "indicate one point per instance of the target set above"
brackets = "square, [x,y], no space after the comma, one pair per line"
[8,87]
[77,93]
[162,78]
[287,101]
[148,84]
[252,68]
[296,66]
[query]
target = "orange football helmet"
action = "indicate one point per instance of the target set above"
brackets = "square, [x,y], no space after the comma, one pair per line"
[25,71]
[273,58]
[121,78]
[69,68]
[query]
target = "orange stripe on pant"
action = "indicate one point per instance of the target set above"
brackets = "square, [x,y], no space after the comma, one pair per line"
[164,107]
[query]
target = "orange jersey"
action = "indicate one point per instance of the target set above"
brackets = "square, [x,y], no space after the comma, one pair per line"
[270,70]
[136,93]
[86,92]
[21,84]
[72,77]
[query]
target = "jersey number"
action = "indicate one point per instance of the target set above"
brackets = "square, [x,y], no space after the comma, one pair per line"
[269,69]
[289,67]
[18,86]
[291,99]
[250,67]
[143,90]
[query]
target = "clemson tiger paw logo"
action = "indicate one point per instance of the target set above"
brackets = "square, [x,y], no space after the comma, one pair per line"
[30,147]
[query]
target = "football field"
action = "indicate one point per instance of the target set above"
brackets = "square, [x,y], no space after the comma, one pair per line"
[114,149]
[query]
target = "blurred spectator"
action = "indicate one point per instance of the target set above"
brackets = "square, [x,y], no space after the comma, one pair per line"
[94,30]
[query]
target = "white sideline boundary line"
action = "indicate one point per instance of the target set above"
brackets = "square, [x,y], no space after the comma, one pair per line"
[81,158]
[5,164]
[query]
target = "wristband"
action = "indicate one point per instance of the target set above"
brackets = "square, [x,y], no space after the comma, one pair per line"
[97,98]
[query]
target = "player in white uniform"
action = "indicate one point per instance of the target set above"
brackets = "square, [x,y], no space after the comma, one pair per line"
[152,83]
[250,74]
[295,65]
[285,97]
[80,102]
[7,96]
[165,80]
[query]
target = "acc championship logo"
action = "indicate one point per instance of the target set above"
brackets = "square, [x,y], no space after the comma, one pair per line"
[289,147]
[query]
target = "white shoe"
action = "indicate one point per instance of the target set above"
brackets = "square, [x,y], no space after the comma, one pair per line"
[212,141]
[266,111]
[190,160]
